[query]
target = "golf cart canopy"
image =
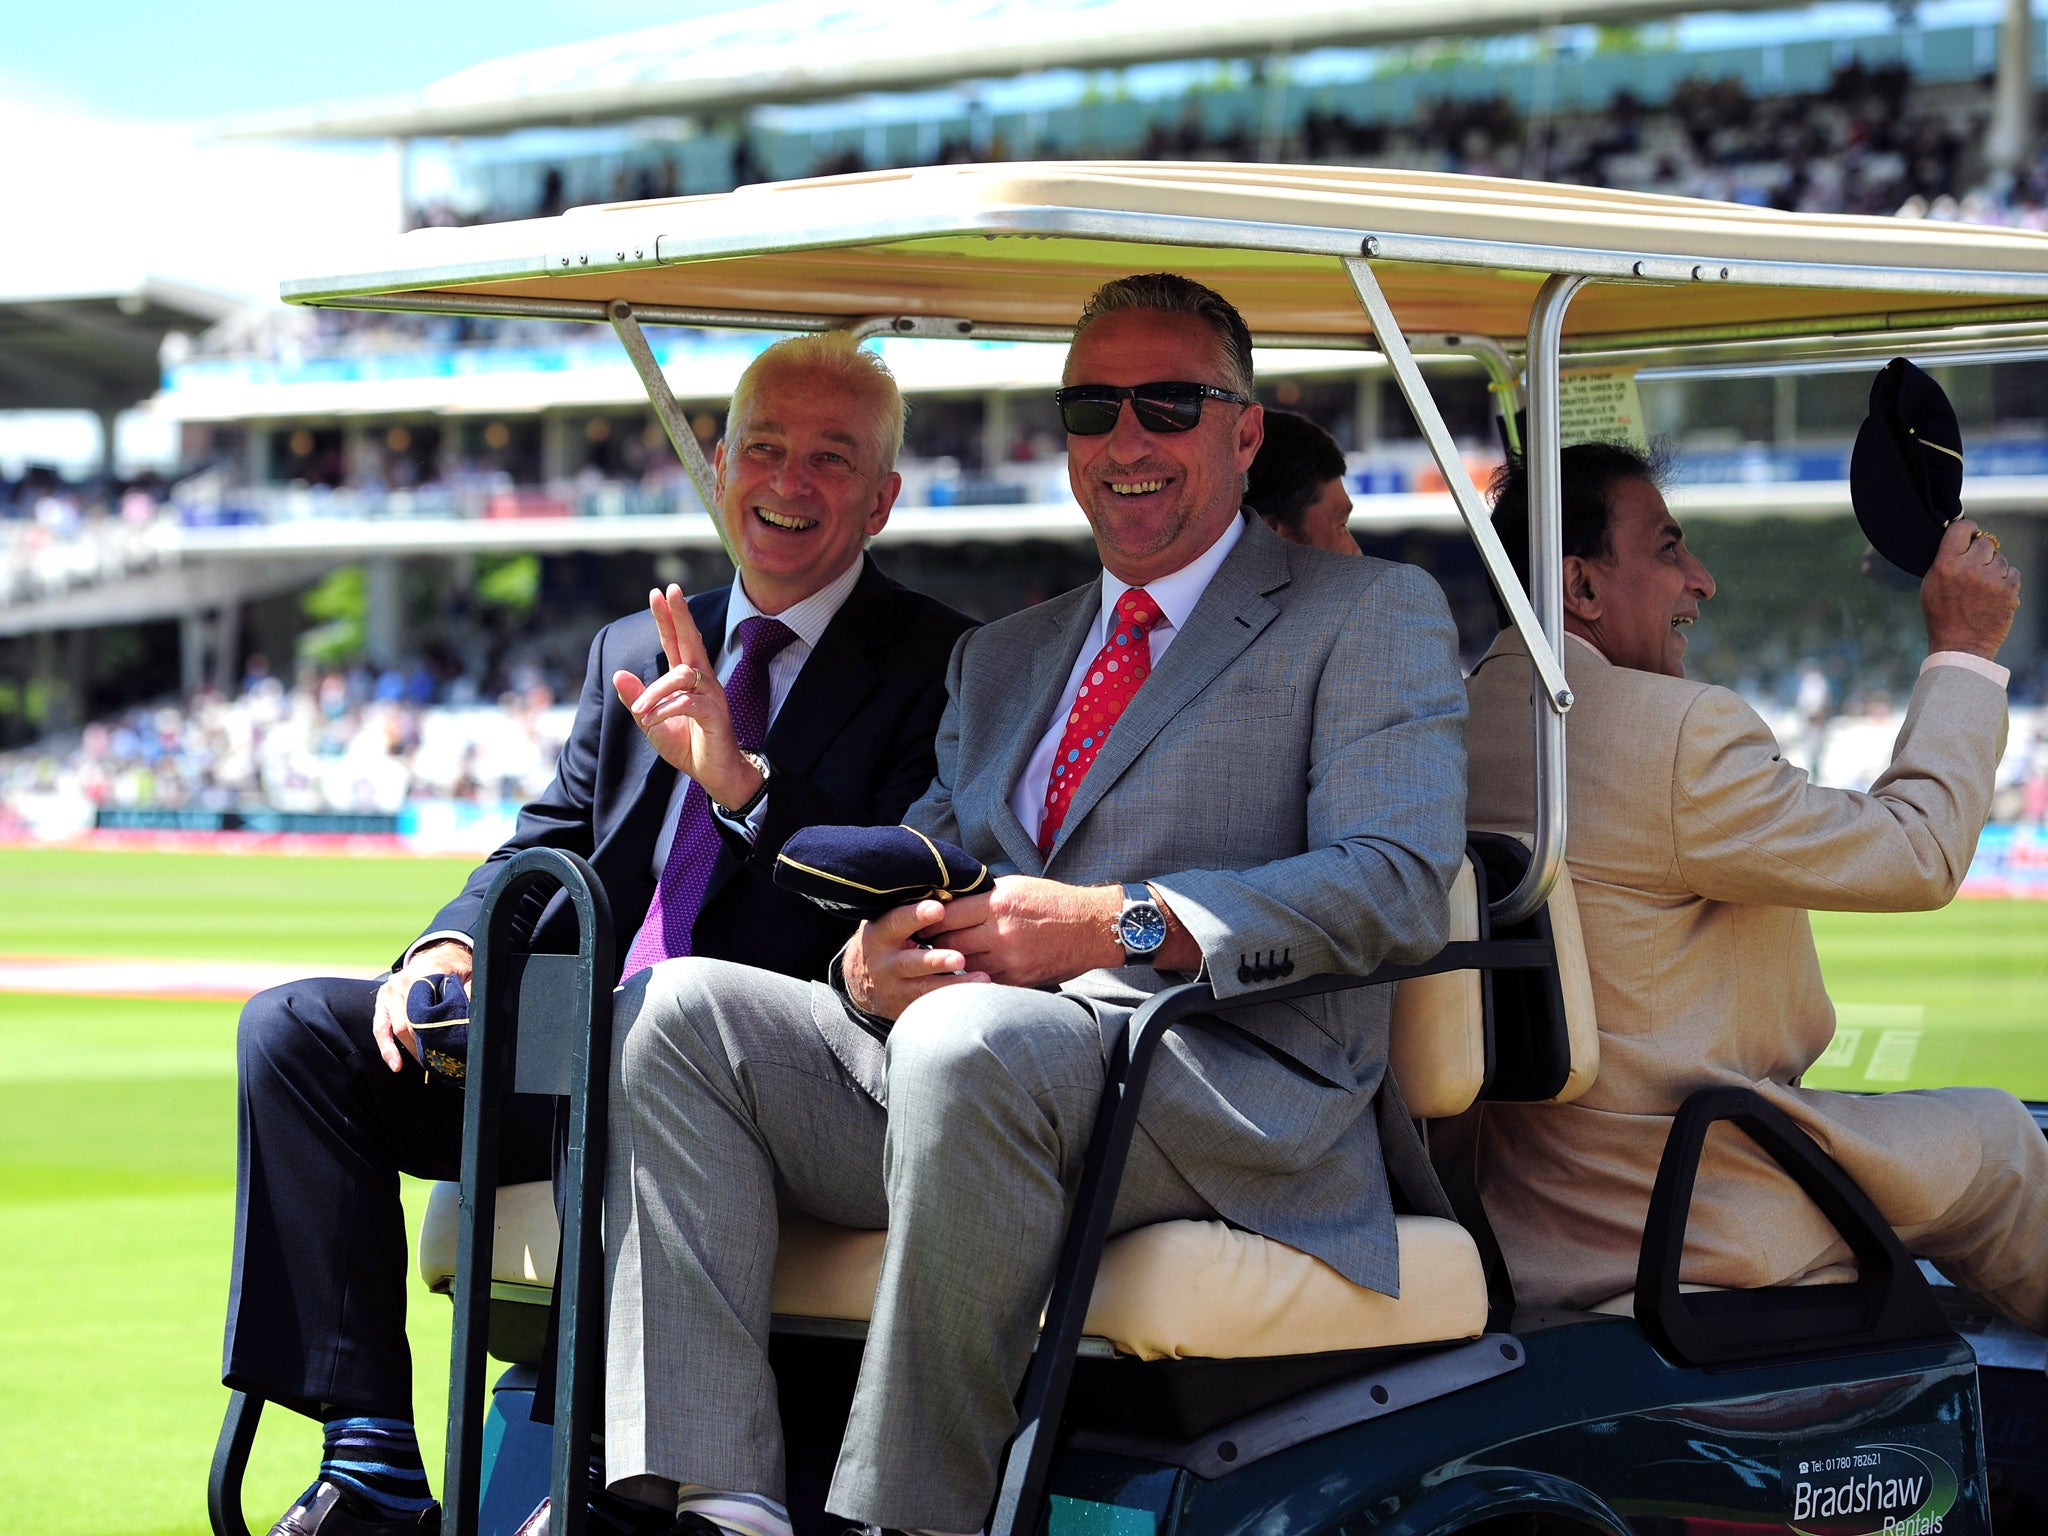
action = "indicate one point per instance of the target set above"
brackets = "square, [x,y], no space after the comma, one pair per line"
[1398,261]
[1014,248]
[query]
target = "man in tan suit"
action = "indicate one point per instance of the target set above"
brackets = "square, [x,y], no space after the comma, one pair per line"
[1696,852]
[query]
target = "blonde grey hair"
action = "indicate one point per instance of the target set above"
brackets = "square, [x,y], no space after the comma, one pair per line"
[837,356]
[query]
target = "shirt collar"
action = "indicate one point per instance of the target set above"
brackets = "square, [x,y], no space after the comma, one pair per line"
[1177,593]
[807,619]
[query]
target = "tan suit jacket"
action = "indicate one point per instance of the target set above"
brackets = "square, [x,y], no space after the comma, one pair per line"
[1696,852]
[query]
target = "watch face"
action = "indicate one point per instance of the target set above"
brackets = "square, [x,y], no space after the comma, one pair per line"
[1141,929]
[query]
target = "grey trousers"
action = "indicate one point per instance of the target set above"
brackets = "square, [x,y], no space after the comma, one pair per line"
[726,1098]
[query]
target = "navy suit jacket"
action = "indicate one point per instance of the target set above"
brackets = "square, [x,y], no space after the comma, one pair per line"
[851,744]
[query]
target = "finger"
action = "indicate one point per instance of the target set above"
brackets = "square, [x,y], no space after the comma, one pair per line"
[960,915]
[912,963]
[671,684]
[1956,538]
[894,928]
[629,687]
[681,706]
[690,644]
[383,1026]
[664,625]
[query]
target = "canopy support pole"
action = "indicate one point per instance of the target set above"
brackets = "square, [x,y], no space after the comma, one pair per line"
[1546,567]
[669,411]
[1542,641]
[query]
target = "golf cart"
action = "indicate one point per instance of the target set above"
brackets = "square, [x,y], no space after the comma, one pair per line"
[1191,1379]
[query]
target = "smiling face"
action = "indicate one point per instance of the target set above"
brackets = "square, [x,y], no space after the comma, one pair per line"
[1156,500]
[1636,602]
[800,485]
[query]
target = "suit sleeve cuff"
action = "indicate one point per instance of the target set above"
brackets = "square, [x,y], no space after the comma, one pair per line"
[439,936]
[747,828]
[1977,664]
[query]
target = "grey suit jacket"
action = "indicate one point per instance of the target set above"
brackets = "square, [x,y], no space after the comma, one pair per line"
[1292,779]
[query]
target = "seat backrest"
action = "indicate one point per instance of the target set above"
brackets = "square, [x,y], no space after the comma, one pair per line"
[1526,1036]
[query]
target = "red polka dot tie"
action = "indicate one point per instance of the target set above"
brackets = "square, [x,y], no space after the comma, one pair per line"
[1124,662]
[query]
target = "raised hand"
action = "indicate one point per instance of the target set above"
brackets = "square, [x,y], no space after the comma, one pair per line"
[1970,594]
[683,713]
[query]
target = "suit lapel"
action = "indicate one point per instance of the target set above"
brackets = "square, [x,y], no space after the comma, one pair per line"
[1230,614]
[1064,625]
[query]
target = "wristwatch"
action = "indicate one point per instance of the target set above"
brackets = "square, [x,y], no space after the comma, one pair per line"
[1140,926]
[760,762]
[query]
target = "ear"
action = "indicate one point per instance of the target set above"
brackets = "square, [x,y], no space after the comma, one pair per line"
[1581,601]
[1251,431]
[886,492]
[718,471]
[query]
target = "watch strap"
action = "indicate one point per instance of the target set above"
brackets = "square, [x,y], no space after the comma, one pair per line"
[760,762]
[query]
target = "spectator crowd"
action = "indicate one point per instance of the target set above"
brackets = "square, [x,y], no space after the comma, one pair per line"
[337,740]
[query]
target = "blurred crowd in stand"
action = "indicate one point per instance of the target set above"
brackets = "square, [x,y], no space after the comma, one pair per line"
[1869,142]
[56,534]
[359,741]
[336,740]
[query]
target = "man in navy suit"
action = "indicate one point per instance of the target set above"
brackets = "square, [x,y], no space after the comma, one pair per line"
[689,764]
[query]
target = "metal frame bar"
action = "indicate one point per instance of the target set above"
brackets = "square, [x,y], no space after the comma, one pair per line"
[230,1462]
[1387,331]
[494,1071]
[681,435]
[1027,1468]
[1546,573]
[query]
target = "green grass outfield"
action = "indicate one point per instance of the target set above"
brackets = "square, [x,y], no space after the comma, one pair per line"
[117,1149]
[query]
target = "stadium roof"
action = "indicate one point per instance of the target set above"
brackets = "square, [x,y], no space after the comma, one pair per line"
[97,351]
[810,50]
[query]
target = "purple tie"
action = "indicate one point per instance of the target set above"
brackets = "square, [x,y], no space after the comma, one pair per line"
[679,896]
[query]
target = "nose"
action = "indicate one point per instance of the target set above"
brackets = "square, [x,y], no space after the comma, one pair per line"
[1128,428]
[789,477]
[1698,579]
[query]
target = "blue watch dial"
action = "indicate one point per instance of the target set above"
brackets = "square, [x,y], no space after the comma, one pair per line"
[1141,926]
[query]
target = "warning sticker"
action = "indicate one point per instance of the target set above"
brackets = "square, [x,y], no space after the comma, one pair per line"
[1877,1489]
[1601,405]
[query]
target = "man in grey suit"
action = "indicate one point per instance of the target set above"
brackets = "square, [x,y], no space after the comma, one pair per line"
[1230,757]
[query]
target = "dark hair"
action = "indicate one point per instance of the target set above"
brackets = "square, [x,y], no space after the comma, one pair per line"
[1297,459]
[1172,294]
[1588,473]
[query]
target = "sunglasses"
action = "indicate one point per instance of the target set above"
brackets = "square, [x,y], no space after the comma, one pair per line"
[1089,410]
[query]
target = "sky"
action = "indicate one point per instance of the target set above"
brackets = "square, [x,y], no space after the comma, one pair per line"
[109,174]
[144,60]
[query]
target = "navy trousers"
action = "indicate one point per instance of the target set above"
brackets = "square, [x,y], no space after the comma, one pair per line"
[316,1306]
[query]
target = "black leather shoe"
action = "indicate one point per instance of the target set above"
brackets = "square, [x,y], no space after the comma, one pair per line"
[325,1509]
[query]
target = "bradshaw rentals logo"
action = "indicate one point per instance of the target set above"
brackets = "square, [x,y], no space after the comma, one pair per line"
[1873,1490]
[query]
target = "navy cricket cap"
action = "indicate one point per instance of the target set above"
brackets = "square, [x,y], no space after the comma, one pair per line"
[1906,473]
[865,871]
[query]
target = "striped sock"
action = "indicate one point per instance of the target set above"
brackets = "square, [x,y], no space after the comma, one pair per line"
[744,1514]
[376,1461]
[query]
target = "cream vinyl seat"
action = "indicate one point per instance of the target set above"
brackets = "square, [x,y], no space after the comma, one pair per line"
[1180,1289]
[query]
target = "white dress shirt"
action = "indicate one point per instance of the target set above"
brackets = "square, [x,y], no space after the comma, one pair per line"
[1176,596]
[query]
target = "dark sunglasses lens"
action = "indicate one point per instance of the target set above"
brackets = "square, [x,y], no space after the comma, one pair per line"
[1088,417]
[1168,409]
